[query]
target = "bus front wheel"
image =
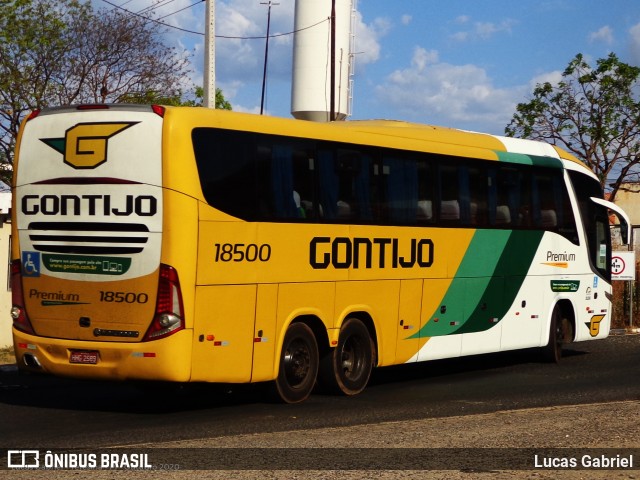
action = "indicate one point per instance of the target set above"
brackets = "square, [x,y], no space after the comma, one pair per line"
[559,331]
[298,364]
[346,369]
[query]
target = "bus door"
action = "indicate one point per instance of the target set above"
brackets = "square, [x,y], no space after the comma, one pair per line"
[442,312]
[409,315]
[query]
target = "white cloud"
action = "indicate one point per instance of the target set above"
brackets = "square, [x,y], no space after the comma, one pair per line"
[406,19]
[460,36]
[243,57]
[422,58]
[634,43]
[367,39]
[481,30]
[553,78]
[462,96]
[603,35]
[485,29]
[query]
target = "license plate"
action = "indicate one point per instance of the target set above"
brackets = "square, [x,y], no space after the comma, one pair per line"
[89,358]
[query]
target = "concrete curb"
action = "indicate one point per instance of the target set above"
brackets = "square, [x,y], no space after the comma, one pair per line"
[624,331]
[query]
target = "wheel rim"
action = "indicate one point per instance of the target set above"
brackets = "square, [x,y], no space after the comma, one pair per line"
[297,362]
[352,358]
[559,333]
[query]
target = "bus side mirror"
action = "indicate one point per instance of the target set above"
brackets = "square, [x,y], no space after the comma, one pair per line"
[623,218]
[624,233]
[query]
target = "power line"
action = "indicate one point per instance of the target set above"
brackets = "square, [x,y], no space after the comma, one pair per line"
[262,37]
[229,37]
[183,8]
[152,7]
[152,19]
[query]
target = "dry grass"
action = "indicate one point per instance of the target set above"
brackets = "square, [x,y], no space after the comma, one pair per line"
[6,356]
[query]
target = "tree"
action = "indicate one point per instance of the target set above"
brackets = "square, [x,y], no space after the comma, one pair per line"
[594,113]
[33,36]
[221,102]
[115,55]
[178,100]
[62,52]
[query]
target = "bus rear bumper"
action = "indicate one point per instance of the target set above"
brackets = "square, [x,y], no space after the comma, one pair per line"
[167,359]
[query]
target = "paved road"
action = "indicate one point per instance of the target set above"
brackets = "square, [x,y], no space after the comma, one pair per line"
[46,412]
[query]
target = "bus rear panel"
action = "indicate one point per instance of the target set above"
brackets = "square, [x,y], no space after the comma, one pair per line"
[90,295]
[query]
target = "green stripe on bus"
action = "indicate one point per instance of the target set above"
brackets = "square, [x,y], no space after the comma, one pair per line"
[486,283]
[502,288]
[535,160]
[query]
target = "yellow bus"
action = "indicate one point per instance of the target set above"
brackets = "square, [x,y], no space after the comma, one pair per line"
[196,245]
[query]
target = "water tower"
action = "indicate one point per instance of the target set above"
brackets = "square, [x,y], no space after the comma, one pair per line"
[315,39]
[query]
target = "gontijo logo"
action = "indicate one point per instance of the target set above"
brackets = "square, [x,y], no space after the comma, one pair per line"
[85,144]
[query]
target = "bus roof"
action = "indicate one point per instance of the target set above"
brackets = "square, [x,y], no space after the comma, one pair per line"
[384,133]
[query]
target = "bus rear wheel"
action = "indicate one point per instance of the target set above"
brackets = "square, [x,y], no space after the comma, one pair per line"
[298,364]
[346,369]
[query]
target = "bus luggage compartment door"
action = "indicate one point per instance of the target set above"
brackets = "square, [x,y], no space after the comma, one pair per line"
[223,333]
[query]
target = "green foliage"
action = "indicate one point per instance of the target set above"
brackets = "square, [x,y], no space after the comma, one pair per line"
[156,98]
[594,113]
[221,102]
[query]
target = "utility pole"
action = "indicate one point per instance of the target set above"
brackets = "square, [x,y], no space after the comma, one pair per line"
[266,53]
[332,88]
[209,99]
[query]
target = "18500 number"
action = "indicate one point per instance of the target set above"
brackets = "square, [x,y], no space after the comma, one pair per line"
[241,252]
[123,297]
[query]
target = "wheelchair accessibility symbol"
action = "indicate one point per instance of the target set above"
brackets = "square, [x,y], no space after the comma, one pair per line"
[31,264]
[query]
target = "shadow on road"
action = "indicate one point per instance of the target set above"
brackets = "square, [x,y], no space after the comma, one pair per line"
[487,364]
[45,391]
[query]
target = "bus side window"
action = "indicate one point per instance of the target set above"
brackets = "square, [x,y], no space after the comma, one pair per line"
[566,220]
[400,177]
[345,184]
[283,195]
[499,203]
[307,208]
[474,210]
[545,213]
[554,209]
[513,196]
[425,212]
[449,201]
[304,185]
[284,173]
[228,172]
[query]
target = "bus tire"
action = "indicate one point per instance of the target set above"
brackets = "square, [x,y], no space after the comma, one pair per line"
[552,353]
[298,368]
[346,369]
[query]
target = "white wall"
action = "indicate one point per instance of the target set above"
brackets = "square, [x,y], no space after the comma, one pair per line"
[627,198]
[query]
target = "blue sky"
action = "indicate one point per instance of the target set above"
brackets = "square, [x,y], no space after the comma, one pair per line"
[457,63]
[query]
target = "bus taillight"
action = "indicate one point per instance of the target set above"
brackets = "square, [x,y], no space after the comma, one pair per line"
[33,114]
[18,311]
[169,316]
[158,110]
